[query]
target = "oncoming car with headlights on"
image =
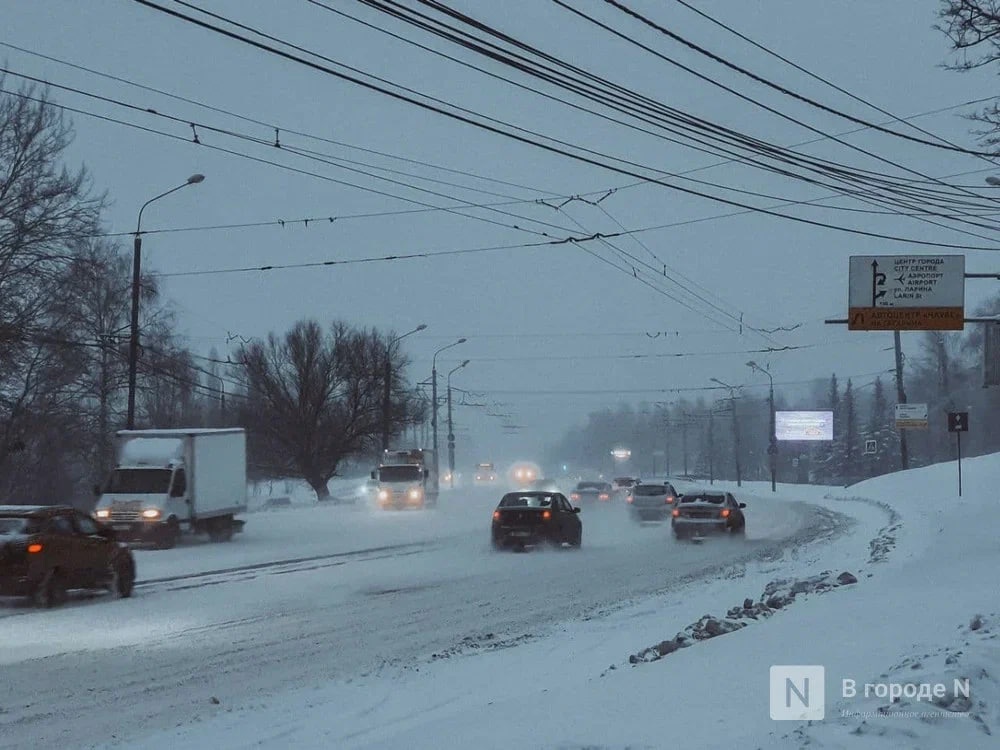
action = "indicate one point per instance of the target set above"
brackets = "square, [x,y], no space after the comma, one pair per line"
[522,474]
[524,519]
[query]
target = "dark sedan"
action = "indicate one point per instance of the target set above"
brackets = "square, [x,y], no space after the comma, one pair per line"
[47,550]
[698,513]
[525,519]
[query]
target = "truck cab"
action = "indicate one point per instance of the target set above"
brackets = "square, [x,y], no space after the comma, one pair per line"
[406,479]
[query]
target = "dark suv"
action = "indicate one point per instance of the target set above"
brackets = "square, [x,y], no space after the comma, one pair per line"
[47,550]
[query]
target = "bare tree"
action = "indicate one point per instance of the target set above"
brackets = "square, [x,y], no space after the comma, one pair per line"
[44,210]
[314,399]
[973,26]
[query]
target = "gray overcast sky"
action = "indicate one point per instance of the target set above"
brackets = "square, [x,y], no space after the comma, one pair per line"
[516,306]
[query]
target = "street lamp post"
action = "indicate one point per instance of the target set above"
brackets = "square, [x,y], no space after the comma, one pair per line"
[736,430]
[451,431]
[133,348]
[387,395]
[772,440]
[434,401]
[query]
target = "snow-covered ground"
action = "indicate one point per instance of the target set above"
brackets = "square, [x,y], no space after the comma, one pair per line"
[335,626]
[926,563]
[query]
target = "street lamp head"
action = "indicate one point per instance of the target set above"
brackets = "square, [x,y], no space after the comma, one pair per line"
[422,327]
[753,364]
[464,363]
[461,341]
[195,179]
[994,181]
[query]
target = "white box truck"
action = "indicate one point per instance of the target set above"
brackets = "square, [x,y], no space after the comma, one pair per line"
[168,481]
[406,479]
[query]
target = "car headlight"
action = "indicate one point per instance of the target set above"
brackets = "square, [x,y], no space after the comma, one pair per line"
[102,513]
[383,494]
[414,494]
[151,513]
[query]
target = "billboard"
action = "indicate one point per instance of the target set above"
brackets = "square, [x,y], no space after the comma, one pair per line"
[803,425]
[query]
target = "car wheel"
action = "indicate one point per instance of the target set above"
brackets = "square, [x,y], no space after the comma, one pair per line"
[122,578]
[578,542]
[740,530]
[51,592]
[169,535]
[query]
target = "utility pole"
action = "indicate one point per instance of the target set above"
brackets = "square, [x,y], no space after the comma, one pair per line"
[434,403]
[684,440]
[736,429]
[736,443]
[387,385]
[451,431]
[711,444]
[904,456]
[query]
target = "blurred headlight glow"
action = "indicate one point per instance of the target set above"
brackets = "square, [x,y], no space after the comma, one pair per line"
[151,513]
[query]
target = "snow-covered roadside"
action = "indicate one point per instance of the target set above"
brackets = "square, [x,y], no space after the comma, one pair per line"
[922,578]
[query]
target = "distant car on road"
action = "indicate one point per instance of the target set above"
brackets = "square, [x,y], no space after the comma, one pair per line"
[622,485]
[651,502]
[702,512]
[592,492]
[486,473]
[529,518]
[47,550]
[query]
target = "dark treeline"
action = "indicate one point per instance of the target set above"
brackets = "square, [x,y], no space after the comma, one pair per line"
[698,436]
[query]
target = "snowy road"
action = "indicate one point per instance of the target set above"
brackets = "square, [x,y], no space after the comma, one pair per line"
[307,595]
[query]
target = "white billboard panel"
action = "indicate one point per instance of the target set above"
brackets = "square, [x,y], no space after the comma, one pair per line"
[803,425]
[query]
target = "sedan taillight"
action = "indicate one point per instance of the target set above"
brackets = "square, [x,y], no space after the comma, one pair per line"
[496,515]
[628,499]
[724,512]
[670,499]
[604,496]
[675,512]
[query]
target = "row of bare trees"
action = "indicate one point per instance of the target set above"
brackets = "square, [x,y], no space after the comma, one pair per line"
[311,398]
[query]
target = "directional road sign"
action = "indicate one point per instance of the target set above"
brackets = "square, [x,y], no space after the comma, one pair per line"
[906,293]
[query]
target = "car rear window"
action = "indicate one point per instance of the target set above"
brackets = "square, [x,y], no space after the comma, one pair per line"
[714,499]
[11,525]
[526,501]
[591,486]
[649,489]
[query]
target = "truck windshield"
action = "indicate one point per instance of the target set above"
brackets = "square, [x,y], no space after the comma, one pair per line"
[139,481]
[409,473]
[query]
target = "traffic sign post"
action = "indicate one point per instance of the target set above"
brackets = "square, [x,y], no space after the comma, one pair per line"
[958,422]
[911,416]
[906,293]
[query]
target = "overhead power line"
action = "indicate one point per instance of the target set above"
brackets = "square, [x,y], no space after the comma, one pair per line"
[777,87]
[523,139]
[521,63]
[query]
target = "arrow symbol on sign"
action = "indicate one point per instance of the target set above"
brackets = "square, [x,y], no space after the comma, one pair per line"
[878,279]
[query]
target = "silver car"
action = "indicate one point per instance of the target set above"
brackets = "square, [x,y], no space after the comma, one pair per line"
[651,502]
